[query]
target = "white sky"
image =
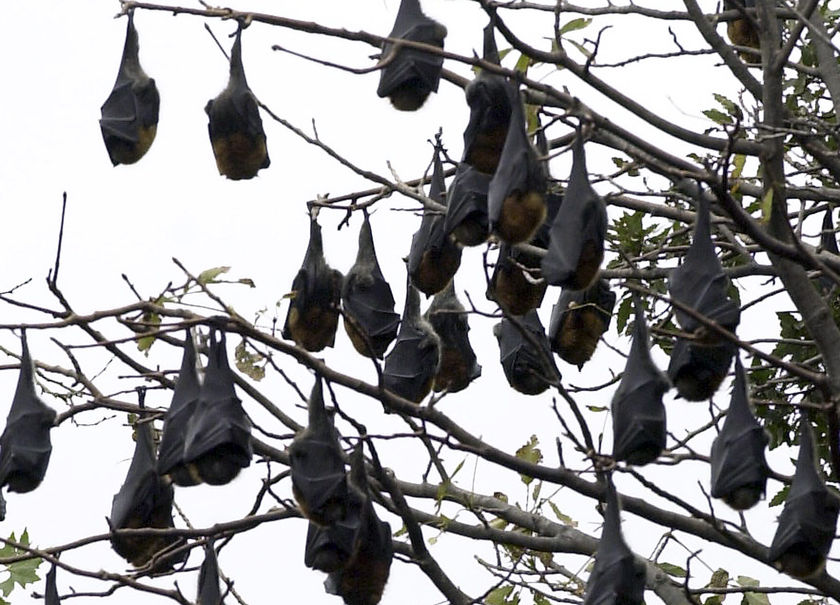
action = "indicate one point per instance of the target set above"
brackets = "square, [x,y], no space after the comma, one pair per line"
[60,60]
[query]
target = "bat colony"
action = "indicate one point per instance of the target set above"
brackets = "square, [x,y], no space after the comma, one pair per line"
[501,191]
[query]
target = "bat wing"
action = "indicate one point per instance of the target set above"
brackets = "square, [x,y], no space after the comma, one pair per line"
[234,124]
[411,365]
[130,113]
[523,365]
[576,237]
[208,578]
[808,520]
[466,210]
[458,366]
[51,590]
[218,440]
[616,576]
[25,445]
[184,400]
[411,67]
[317,466]
[737,458]
[312,319]
[368,300]
[639,421]
[697,371]
[330,547]
[700,282]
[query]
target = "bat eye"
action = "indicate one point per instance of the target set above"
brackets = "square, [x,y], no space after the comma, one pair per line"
[299,455]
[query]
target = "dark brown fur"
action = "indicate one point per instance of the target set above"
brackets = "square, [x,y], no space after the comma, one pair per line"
[487,149]
[470,233]
[801,561]
[514,293]
[454,373]
[436,270]
[316,329]
[589,263]
[123,153]
[579,335]
[238,156]
[410,95]
[521,216]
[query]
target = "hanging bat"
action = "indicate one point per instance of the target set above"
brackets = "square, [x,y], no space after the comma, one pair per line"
[617,577]
[144,500]
[368,302]
[330,547]
[523,365]
[51,591]
[218,440]
[577,234]
[312,320]
[434,257]
[130,113]
[809,519]
[512,286]
[741,31]
[458,364]
[697,371]
[184,400]
[234,124]
[739,469]
[411,366]
[410,75]
[637,411]
[828,243]
[516,195]
[579,319]
[363,579]
[319,481]
[700,283]
[466,210]
[208,578]
[489,99]
[25,446]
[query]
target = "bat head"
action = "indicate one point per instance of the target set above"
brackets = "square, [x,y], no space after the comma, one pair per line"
[466,211]
[516,290]
[458,365]
[697,371]
[208,578]
[578,320]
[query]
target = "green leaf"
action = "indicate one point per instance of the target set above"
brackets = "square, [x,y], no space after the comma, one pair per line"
[780,497]
[208,276]
[500,596]
[574,25]
[20,572]
[248,362]
[767,206]
[541,600]
[673,570]
[597,408]
[746,581]
[562,516]
[530,453]
[522,64]
[717,116]
[755,598]
[145,343]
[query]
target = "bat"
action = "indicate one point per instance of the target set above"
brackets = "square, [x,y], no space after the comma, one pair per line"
[312,320]
[576,246]
[208,578]
[524,366]
[458,364]
[234,124]
[697,371]
[489,99]
[368,302]
[579,319]
[701,284]
[410,75]
[828,243]
[218,440]
[516,194]
[51,591]
[466,210]
[130,113]
[637,410]
[808,520]
[410,368]
[741,31]
[617,577]
[434,257]
[144,500]
[184,400]
[319,480]
[363,578]
[330,547]
[739,469]
[512,286]
[25,446]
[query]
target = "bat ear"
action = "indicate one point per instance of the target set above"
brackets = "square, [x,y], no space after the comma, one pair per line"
[358,474]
